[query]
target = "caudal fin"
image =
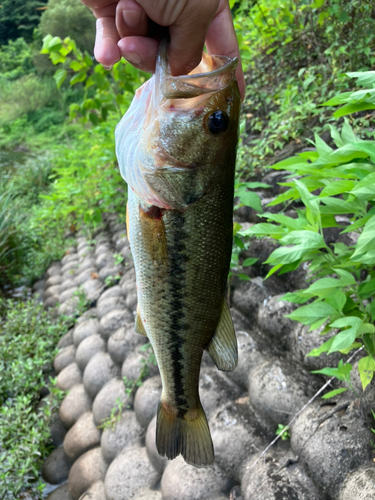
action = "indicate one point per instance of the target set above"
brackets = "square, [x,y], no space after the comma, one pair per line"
[187,434]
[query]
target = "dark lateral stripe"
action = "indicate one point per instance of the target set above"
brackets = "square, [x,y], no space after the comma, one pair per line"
[178,258]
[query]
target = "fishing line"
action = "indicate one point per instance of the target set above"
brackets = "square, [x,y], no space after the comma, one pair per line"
[298,414]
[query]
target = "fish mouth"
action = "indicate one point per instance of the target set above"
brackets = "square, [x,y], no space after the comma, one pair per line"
[213,73]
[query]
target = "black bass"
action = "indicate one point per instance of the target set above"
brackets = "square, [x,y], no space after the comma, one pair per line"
[176,148]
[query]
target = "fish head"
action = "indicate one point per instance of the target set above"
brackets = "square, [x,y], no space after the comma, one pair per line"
[187,135]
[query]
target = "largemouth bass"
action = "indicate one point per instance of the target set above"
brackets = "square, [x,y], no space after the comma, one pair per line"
[176,148]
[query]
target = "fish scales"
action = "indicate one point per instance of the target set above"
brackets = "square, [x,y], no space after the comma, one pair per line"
[180,230]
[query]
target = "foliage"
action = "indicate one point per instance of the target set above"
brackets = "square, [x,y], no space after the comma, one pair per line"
[15,59]
[130,387]
[69,18]
[28,337]
[19,18]
[295,53]
[333,192]
[283,432]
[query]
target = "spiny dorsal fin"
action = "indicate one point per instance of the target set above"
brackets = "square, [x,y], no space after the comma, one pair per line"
[139,327]
[223,346]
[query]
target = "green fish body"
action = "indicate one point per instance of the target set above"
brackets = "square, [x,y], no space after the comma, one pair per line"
[180,206]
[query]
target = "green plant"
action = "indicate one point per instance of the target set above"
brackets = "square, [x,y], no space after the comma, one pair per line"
[283,432]
[331,190]
[112,280]
[28,337]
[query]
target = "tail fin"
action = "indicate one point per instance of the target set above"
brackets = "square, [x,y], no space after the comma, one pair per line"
[187,434]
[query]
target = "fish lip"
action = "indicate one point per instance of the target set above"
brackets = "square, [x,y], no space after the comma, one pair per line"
[185,86]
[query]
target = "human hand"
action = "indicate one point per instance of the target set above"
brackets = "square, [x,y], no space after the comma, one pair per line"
[123,30]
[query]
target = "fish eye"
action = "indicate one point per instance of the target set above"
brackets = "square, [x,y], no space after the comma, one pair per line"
[218,122]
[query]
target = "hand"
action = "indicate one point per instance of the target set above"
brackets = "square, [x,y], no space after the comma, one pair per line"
[123,29]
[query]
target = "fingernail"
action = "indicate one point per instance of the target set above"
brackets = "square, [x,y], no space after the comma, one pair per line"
[108,68]
[133,58]
[132,18]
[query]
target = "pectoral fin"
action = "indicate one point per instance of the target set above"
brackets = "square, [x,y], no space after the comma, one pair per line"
[139,327]
[223,346]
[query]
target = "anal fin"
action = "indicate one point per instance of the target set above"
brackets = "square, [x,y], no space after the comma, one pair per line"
[139,327]
[223,345]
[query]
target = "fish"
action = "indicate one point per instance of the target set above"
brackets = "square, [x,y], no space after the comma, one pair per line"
[176,149]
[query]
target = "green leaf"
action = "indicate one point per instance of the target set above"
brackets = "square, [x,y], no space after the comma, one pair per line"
[342,372]
[364,78]
[311,203]
[79,77]
[337,187]
[323,348]
[366,368]
[321,146]
[346,337]
[264,229]
[337,206]
[94,119]
[367,289]
[336,299]
[365,189]
[365,247]
[249,261]
[76,66]
[347,134]
[249,199]
[289,222]
[349,109]
[312,313]
[335,392]
[60,76]
[335,134]
[256,185]
[304,242]
[296,297]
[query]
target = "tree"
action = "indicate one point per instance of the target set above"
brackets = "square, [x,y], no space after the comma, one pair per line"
[19,18]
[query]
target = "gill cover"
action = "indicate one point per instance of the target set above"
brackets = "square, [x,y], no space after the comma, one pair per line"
[168,142]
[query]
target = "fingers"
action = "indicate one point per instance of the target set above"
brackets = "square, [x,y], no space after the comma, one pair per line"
[106,50]
[221,40]
[131,19]
[140,51]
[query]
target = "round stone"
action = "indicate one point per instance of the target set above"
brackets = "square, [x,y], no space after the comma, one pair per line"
[92,289]
[39,285]
[110,271]
[66,340]
[54,268]
[132,300]
[128,473]
[67,283]
[69,307]
[122,342]
[99,370]
[69,376]
[85,329]
[52,291]
[104,259]
[272,319]
[88,348]
[248,296]
[68,294]
[181,480]
[81,437]
[60,493]
[75,404]
[360,485]
[57,432]
[126,433]
[53,280]
[331,444]
[109,304]
[95,492]
[215,389]
[86,263]
[277,390]
[157,461]
[56,468]
[86,470]
[51,301]
[114,320]
[64,358]
[146,400]
[84,275]
[114,291]
[127,282]
[70,266]
[134,364]
[69,257]
[109,397]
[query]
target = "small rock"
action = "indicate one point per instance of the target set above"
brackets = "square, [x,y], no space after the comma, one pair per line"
[70,266]
[69,376]
[331,445]
[88,348]
[99,370]
[95,492]
[122,342]
[53,280]
[248,296]
[148,494]
[85,329]
[157,461]
[57,431]
[104,259]
[360,485]
[183,481]
[127,433]
[81,437]
[68,282]
[54,268]
[51,301]
[215,389]
[56,468]
[86,252]
[114,320]
[61,493]
[52,291]
[75,404]
[278,476]
[68,294]
[110,396]
[367,400]
[69,307]
[92,289]
[38,285]
[114,291]
[127,282]
[84,275]
[134,364]
[69,257]
[86,263]
[277,390]
[128,473]
[110,271]
[237,432]
[272,321]
[132,300]
[64,358]
[109,304]
[66,340]
[146,400]
[87,470]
